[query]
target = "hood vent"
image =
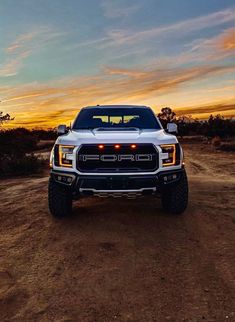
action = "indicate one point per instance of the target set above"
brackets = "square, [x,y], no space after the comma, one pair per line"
[115,129]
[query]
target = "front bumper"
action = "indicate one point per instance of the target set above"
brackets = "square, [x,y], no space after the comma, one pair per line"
[118,184]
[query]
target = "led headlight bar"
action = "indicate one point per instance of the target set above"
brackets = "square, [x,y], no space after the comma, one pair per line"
[65,155]
[170,151]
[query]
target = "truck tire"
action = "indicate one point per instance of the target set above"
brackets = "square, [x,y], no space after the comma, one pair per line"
[59,200]
[175,199]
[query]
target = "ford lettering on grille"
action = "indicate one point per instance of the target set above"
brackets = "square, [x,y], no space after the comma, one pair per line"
[116,157]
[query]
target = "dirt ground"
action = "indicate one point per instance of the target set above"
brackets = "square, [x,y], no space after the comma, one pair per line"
[121,260]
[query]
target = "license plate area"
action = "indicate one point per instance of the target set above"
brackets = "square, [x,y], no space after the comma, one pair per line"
[117,183]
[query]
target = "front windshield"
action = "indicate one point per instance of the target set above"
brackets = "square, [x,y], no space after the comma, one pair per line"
[113,118]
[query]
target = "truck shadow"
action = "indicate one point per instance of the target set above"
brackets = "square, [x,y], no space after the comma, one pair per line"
[109,211]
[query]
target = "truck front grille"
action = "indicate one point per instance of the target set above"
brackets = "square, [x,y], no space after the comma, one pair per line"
[121,158]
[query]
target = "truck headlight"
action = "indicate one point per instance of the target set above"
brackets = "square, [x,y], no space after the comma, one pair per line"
[170,154]
[66,155]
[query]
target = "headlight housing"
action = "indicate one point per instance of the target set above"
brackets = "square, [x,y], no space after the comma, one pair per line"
[63,155]
[170,155]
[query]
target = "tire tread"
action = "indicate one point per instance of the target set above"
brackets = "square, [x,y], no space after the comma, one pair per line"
[59,200]
[175,200]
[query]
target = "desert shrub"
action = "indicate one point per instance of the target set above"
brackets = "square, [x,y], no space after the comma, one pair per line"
[45,145]
[16,153]
[216,141]
[20,140]
[17,142]
[228,147]
[23,165]
[45,135]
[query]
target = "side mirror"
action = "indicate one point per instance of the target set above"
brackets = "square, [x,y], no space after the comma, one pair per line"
[172,128]
[62,129]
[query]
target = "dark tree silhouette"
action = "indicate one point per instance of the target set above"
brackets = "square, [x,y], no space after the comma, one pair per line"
[5,118]
[219,126]
[167,115]
[187,125]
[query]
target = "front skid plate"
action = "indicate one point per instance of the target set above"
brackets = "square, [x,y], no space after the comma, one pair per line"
[130,194]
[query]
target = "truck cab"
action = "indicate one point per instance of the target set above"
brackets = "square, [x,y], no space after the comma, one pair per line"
[116,151]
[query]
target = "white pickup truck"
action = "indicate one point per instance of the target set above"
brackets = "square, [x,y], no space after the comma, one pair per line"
[119,151]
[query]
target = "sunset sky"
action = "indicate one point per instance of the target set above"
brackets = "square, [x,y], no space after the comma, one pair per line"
[57,56]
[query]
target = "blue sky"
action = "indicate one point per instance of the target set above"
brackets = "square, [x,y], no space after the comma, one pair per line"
[56,56]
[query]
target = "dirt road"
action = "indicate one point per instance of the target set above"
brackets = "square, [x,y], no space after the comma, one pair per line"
[121,260]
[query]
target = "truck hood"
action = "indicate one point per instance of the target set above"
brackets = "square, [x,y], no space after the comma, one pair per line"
[78,137]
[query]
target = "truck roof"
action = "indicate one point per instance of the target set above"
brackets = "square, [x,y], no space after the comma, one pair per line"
[116,106]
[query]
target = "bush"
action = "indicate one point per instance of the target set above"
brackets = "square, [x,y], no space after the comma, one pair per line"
[23,165]
[17,142]
[16,152]
[214,126]
[216,141]
[228,147]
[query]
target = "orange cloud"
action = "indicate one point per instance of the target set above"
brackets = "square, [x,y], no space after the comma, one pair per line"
[12,65]
[227,107]
[49,105]
[22,97]
[22,47]
[118,37]
[113,82]
[20,42]
[227,41]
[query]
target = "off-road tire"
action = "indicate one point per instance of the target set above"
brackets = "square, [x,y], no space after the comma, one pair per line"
[175,199]
[59,200]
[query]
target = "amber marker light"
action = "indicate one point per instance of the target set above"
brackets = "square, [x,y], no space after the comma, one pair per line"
[133,146]
[101,146]
[117,146]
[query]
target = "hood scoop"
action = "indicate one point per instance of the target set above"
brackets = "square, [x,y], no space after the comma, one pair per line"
[118,133]
[116,129]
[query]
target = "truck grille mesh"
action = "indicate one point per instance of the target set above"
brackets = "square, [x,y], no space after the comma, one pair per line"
[142,158]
